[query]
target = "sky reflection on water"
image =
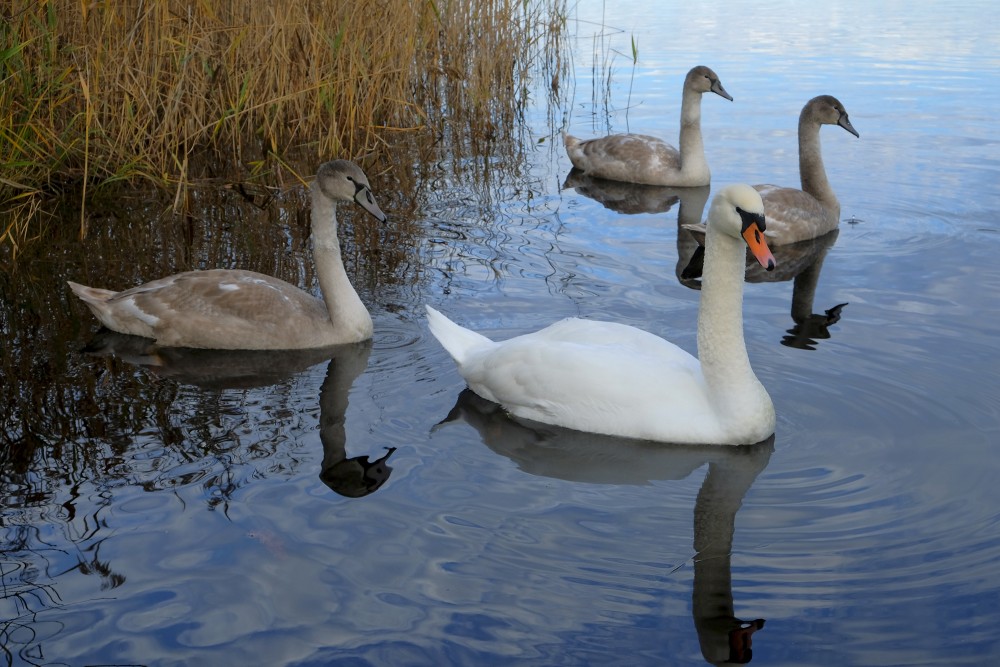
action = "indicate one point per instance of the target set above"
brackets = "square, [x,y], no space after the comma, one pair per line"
[193,525]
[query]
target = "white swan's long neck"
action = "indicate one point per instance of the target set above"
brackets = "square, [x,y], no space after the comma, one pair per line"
[721,348]
[343,304]
[811,170]
[690,143]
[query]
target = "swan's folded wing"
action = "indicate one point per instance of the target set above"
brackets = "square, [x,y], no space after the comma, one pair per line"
[625,157]
[792,215]
[597,386]
[216,306]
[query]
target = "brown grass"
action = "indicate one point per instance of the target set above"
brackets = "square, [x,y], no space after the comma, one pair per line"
[173,92]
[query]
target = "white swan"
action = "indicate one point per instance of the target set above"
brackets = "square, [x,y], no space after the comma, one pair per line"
[638,158]
[603,377]
[798,215]
[234,309]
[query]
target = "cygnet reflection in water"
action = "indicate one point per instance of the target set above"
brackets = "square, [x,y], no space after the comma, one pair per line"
[208,369]
[622,197]
[352,477]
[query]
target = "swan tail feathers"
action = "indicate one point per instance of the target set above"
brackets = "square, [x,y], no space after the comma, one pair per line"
[90,294]
[456,340]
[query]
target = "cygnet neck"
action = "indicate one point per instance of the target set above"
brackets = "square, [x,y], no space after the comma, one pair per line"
[812,172]
[690,143]
[346,310]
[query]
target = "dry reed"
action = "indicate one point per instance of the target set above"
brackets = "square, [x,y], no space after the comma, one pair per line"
[175,91]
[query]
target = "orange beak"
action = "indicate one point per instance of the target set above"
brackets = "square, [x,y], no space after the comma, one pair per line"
[758,246]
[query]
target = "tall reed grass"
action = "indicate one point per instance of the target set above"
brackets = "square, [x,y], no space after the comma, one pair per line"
[175,91]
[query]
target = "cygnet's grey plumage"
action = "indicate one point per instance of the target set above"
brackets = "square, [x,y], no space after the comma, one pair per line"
[235,309]
[639,158]
[798,215]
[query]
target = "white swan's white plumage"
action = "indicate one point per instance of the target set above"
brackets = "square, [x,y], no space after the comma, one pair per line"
[639,158]
[798,215]
[604,377]
[245,310]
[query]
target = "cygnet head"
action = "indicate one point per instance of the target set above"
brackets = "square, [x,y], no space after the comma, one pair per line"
[738,211]
[702,79]
[827,110]
[342,180]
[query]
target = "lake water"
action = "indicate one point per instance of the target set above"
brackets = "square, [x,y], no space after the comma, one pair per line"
[150,519]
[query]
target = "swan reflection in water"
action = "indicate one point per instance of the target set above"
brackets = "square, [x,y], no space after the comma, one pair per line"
[352,477]
[801,262]
[627,198]
[356,476]
[551,451]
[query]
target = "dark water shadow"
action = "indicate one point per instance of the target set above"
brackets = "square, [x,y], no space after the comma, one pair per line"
[352,477]
[552,451]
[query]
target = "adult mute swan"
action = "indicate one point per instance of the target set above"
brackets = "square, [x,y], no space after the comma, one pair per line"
[245,310]
[798,215]
[638,158]
[604,377]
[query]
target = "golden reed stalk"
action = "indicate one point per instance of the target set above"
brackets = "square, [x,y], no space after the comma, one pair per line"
[99,92]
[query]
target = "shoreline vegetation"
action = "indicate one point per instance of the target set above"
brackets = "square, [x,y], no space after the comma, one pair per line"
[175,93]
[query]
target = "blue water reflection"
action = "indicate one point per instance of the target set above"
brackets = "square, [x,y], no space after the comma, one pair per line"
[205,532]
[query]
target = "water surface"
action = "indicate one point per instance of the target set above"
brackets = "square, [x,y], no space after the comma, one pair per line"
[172,516]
